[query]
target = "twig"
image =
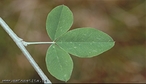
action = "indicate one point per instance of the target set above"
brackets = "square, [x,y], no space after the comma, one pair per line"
[20,44]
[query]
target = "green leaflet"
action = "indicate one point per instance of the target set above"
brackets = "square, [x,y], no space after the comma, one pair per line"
[82,42]
[59,21]
[85,42]
[59,63]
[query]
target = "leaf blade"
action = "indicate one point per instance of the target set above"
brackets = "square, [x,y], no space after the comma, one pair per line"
[59,21]
[59,63]
[85,42]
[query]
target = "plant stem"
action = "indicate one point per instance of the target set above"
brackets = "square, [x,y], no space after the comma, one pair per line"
[30,43]
[20,44]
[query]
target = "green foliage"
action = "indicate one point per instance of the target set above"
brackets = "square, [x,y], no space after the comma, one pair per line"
[85,42]
[59,63]
[81,42]
[59,21]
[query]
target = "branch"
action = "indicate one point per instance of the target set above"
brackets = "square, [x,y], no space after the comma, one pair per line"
[20,44]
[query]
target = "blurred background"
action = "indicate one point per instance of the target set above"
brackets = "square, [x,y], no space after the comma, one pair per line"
[123,20]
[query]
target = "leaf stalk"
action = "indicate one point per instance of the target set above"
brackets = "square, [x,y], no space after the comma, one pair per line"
[32,43]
